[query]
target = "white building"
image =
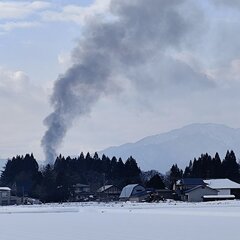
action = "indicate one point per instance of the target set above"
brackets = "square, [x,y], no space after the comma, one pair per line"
[224,186]
[199,193]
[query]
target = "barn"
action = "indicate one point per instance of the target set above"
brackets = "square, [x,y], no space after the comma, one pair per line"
[133,192]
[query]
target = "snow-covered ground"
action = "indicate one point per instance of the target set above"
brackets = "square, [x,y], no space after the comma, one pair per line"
[122,221]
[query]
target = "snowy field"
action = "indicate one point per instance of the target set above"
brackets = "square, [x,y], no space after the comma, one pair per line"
[127,221]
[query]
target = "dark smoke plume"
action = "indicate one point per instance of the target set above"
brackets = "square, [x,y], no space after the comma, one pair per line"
[121,45]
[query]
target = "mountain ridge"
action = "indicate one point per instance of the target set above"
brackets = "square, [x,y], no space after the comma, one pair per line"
[179,146]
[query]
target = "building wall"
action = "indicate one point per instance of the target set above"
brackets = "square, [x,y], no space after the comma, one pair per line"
[224,191]
[197,194]
[80,189]
[113,190]
[5,197]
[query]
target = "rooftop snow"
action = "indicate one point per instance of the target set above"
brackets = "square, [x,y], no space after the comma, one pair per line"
[103,188]
[5,189]
[219,196]
[222,184]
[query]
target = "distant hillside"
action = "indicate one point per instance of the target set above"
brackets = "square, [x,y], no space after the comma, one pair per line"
[2,164]
[179,146]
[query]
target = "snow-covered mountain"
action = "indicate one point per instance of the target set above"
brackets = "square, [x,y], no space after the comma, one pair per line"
[179,146]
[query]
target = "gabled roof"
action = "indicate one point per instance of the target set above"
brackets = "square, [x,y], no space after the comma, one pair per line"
[104,188]
[222,184]
[192,181]
[127,190]
[197,187]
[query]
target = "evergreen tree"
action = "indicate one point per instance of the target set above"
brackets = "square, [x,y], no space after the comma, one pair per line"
[155,182]
[216,167]
[175,174]
[230,166]
[22,173]
[131,168]
[48,187]
[187,172]
[55,183]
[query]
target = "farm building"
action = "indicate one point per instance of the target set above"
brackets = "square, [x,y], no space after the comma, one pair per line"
[224,187]
[108,192]
[133,192]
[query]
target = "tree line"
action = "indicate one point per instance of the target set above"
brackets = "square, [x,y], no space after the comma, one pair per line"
[208,167]
[55,182]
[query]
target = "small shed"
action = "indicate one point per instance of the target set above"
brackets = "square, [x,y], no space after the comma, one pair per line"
[133,192]
[197,193]
[5,195]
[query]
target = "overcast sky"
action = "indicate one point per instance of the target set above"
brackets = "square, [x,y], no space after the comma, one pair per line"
[192,75]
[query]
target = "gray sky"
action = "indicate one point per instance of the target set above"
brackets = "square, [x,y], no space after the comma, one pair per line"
[188,72]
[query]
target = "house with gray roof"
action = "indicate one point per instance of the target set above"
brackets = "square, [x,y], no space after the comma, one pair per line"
[193,190]
[188,183]
[133,192]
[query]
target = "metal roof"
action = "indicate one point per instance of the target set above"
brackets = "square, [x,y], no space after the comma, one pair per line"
[103,188]
[224,183]
[127,190]
[192,181]
[199,186]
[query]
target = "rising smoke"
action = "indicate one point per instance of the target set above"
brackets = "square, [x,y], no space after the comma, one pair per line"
[134,33]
